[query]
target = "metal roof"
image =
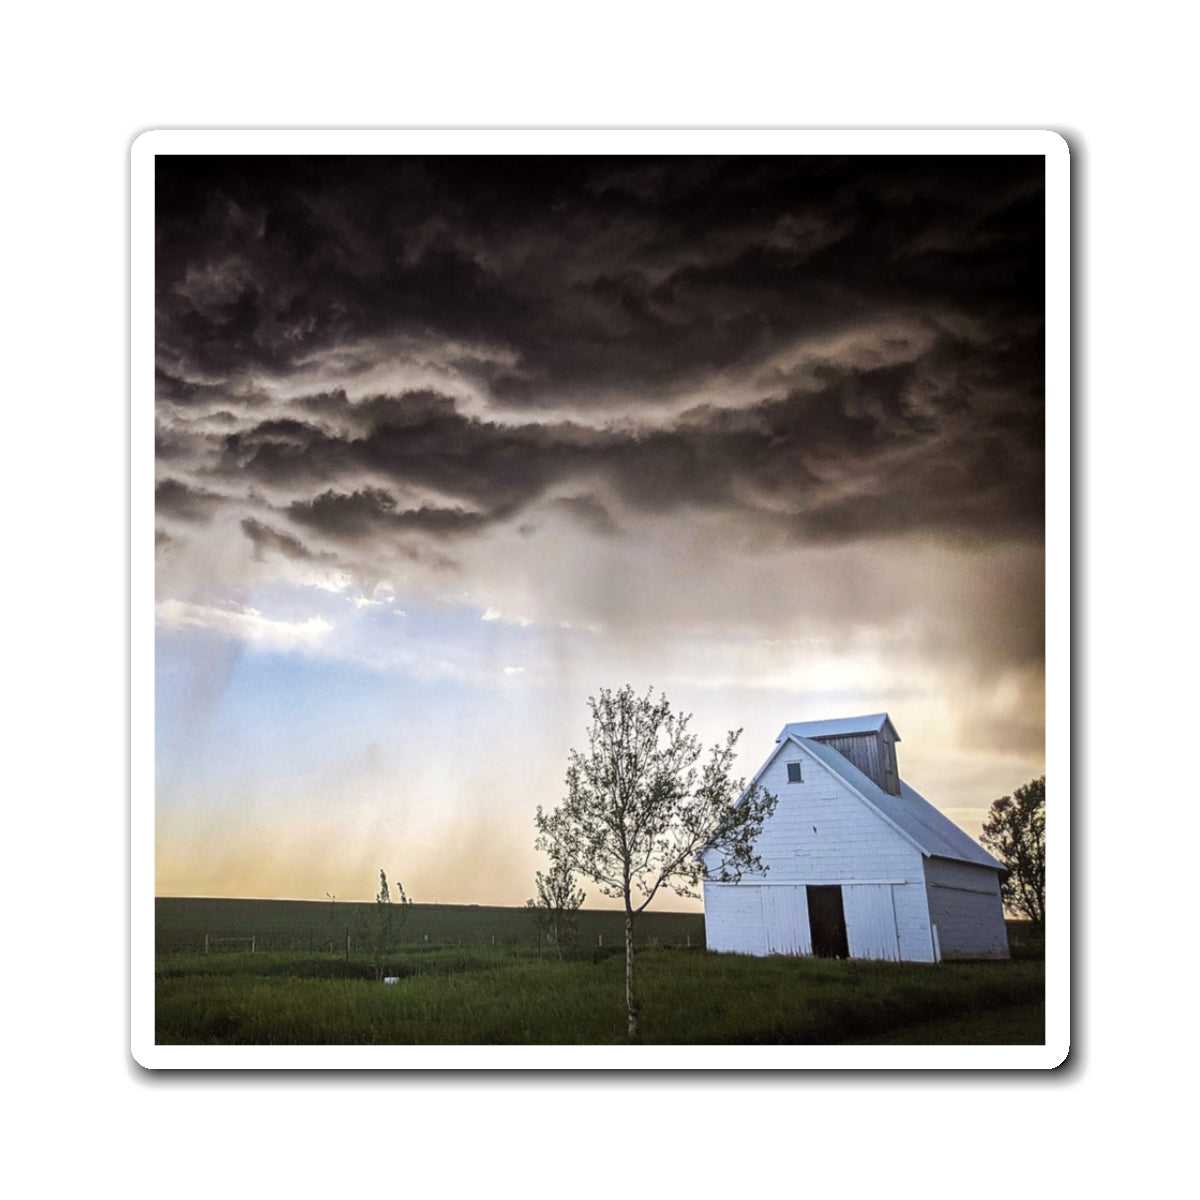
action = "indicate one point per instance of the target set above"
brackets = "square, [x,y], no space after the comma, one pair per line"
[931,832]
[837,727]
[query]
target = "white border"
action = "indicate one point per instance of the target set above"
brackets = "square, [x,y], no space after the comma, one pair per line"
[600,141]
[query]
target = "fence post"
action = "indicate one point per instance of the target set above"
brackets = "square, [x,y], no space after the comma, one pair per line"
[206,943]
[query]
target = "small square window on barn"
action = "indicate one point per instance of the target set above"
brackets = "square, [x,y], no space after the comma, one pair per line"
[794,775]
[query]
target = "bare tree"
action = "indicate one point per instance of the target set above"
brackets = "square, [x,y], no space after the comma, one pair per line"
[640,807]
[556,904]
[384,928]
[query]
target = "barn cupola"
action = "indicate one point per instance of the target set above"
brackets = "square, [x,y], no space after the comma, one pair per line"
[868,742]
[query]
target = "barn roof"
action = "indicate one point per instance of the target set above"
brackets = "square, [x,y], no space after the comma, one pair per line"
[839,727]
[932,833]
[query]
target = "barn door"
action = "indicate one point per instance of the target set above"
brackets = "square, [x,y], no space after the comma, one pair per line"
[827,922]
[785,919]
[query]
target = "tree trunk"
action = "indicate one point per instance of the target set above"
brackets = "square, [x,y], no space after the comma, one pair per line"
[630,998]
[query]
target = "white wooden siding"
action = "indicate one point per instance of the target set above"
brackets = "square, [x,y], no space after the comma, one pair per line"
[912,923]
[785,919]
[733,919]
[870,921]
[965,905]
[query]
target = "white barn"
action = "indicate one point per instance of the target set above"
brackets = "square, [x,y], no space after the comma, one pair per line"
[858,864]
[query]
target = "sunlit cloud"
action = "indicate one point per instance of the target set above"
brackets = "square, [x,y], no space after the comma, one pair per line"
[248,625]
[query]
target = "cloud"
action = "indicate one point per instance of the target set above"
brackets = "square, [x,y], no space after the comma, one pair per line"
[244,624]
[600,373]
[589,513]
[584,277]
[374,509]
[173,498]
[265,538]
[858,453]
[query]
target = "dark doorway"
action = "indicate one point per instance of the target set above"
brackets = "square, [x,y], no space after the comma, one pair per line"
[827,922]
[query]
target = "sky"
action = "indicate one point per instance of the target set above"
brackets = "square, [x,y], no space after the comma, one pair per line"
[445,445]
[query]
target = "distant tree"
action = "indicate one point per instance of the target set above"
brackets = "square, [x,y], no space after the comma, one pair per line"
[556,905]
[387,919]
[640,808]
[1015,832]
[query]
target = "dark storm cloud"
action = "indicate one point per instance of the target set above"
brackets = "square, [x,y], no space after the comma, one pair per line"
[600,276]
[867,334]
[373,510]
[175,499]
[265,538]
[911,470]
[283,451]
[588,512]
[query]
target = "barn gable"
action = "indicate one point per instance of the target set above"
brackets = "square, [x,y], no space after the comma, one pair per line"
[822,826]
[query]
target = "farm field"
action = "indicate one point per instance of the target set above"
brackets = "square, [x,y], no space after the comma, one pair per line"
[312,925]
[461,988]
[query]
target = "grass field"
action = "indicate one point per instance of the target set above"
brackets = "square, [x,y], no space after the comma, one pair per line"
[1022,1025]
[310,925]
[461,988]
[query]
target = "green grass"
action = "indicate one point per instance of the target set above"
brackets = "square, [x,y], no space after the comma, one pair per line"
[1024,1025]
[474,975]
[500,997]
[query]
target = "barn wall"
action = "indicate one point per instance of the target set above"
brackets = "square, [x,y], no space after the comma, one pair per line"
[883,921]
[733,919]
[965,905]
[823,834]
